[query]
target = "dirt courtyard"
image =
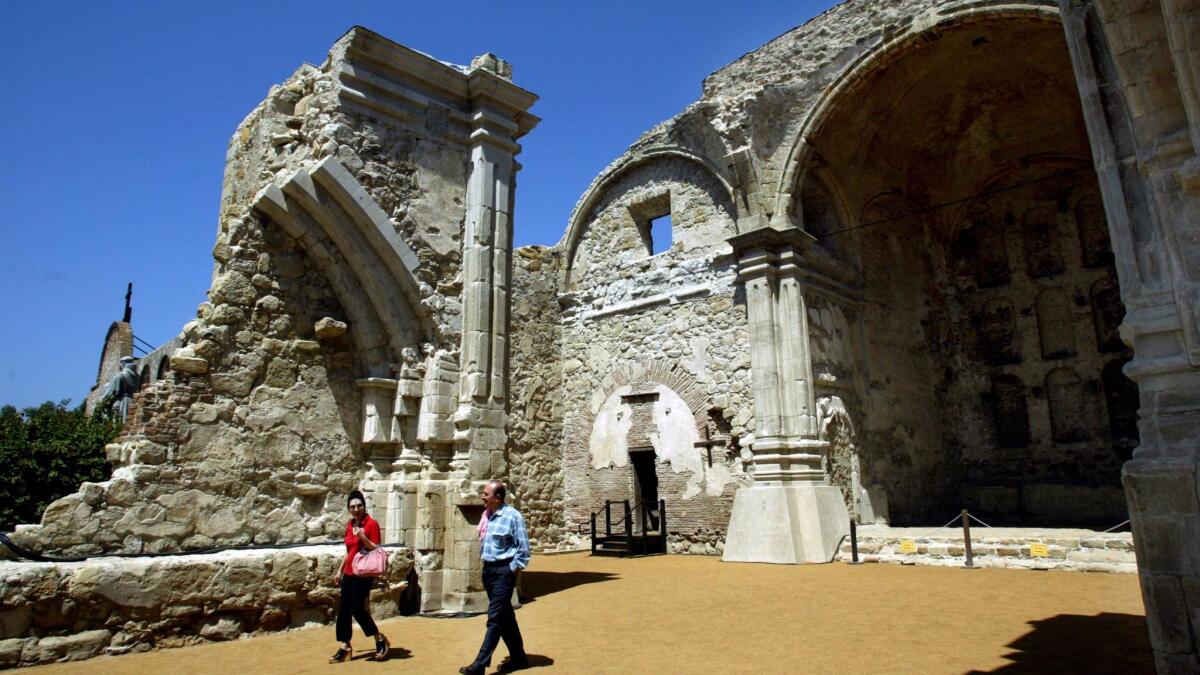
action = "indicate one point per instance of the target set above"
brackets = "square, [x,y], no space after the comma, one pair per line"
[692,614]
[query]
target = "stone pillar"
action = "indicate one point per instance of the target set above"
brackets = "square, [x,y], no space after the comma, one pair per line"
[791,514]
[498,118]
[1135,66]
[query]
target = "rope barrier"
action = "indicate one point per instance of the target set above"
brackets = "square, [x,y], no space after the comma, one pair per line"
[1116,526]
[948,524]
[22,552]
[972,517]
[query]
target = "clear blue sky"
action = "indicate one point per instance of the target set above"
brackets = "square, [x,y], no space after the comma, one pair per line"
[116,116]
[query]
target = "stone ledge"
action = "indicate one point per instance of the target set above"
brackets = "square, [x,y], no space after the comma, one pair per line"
[1067,549]
[52,612]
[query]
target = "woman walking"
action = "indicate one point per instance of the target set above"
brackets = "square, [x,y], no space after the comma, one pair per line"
[362,533]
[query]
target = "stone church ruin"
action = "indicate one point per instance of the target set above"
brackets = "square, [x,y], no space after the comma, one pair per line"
[924,255]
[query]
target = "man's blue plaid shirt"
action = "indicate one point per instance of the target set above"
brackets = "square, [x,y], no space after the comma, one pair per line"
[506,538]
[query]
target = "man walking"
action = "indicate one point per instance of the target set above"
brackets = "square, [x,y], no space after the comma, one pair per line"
[504,550]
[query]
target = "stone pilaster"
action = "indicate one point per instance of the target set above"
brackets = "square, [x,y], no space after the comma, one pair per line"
[791,514]
[498,118]
[1136,68]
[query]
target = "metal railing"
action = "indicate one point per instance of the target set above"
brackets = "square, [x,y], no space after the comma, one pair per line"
[624,525]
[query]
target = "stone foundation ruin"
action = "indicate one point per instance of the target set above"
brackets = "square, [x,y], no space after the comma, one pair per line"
[924,255]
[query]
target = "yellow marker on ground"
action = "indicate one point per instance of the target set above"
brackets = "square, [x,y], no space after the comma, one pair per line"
[908,546]
[1038,550]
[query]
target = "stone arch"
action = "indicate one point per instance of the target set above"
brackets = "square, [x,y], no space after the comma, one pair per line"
[642,402]
[1039,234]
[824,214]
[163,367]
[577,224]
[1068,410]
[350,239]
[1010,411]
[857,72]
[646,372]
[1056,331]
[1107,314]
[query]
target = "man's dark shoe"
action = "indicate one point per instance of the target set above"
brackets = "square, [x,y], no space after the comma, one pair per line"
[471,670]
[509,664]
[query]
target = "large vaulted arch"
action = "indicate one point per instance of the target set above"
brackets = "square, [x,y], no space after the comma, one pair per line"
[371,269]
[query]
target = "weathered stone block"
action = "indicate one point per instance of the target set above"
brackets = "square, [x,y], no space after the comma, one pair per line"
[76,647]
[191,365]
[1166,613]
[15,621]
[10,651]
[328,328]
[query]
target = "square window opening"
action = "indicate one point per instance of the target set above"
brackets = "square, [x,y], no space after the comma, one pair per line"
[660,234]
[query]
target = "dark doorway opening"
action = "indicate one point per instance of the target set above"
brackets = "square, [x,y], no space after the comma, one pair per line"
[645,486]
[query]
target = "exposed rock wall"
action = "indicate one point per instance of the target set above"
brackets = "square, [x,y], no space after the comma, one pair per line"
[665,334]
[339,253]
[535,404]
[53,612]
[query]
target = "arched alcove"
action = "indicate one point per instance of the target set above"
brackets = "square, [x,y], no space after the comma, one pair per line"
[1010,412]
[1068,413]
[822,217]
[964,153]
[1056,329]
[1094,246]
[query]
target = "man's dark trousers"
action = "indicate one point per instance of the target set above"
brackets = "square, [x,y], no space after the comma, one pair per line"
[498,581]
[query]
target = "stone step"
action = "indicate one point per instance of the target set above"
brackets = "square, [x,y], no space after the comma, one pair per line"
[1066,549]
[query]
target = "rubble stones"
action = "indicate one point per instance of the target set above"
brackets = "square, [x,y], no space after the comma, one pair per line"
[327,328]
[172,601]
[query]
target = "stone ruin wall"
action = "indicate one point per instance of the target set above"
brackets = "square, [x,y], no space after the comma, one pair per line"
[73,611]
[880,357]
[666,328]
[536,405]
[254,439]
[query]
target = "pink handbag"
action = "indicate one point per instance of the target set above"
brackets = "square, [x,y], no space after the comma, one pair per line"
[371,563]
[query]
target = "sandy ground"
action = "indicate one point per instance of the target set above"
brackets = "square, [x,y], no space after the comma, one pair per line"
[691,614]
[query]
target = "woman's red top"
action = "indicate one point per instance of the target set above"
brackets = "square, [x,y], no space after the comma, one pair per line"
[352,543]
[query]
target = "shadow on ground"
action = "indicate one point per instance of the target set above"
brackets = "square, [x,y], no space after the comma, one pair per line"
[1073,643]
[538,583]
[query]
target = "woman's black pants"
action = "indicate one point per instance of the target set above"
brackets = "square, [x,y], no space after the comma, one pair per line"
[355,591]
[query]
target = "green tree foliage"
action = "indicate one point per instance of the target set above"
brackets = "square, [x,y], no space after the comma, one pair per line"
[46,452]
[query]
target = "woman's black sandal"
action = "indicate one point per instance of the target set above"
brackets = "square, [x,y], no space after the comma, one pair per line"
[342,654]
[381,648]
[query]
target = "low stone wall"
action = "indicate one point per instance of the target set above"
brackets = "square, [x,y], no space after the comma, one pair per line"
[1066,549]
[53,612]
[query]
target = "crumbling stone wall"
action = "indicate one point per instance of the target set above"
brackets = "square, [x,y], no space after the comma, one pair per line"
[69,612]
[255,435]
[535,404]
[668,324]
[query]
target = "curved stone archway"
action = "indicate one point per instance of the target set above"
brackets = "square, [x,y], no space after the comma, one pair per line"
[353,242]
[855,77]
[961,146]
[584,208]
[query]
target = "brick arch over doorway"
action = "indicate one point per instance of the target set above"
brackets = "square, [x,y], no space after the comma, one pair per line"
[696,478]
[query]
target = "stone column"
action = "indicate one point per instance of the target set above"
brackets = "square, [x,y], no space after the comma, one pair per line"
[791,514]
[498,118]
[487,260]
[1135,66]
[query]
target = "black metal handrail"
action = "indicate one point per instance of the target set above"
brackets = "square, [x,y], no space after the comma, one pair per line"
[625,523]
